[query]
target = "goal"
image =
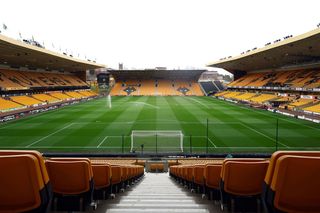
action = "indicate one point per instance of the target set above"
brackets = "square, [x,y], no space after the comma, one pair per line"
[156,141]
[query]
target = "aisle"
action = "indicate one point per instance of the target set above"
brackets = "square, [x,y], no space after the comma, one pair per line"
[157,193]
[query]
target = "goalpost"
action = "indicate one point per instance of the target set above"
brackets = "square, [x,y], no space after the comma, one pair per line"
[157,140]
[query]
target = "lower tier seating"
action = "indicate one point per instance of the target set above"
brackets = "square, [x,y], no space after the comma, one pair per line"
[30,183]
[287,182]
[12,103]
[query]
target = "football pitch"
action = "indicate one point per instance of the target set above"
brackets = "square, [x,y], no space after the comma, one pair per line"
[207,125]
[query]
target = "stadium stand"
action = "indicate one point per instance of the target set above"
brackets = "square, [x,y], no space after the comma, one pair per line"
[147,88]
[157,87]
[6,105]
[60,95]
[19,80]
[156,82]
[196,90]
[209,87]
[45,98]
[25,100]
[315,108]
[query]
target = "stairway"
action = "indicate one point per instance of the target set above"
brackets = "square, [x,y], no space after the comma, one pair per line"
[157,192]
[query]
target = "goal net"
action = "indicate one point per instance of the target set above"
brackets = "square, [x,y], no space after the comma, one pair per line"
[156,141]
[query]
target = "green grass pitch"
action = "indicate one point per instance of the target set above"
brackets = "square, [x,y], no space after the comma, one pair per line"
[93,127]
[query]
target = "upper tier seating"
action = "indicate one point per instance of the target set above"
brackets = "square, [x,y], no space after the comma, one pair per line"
[15,80]
[294,79]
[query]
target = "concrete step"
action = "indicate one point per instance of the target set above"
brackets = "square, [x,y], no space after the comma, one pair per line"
[157,193]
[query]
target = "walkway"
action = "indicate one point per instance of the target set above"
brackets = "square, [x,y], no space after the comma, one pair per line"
[157,193]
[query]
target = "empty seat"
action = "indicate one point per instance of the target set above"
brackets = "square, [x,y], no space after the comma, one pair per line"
[72,183]
[212,180]
[102,180]
[295,185]
[266,195]
[242,180]
[42,166]
[198,177]
[116,178]
[22,187]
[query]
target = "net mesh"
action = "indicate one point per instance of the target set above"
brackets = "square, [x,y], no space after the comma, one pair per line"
[157,141]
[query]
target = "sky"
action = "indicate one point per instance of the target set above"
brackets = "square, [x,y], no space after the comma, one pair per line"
[157,33]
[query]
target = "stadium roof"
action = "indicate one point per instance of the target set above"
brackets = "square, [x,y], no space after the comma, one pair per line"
[300,49]
[19,54]
[156,74]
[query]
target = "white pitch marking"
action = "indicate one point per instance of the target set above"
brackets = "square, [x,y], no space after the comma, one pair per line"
[142,103]
[260,133]
[104,139]
[41,139]
[199,102]
[212,143]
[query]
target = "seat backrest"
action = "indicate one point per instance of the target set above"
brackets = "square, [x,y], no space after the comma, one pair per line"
[240,160]
[69,177]
[21,183]
[37,154]
[199,174]
[76,159]
[244,178]
[124,172]
[101,175]
[185,172]
[116,174]
[190,171]
[212,175]
[296,184]
[278,154]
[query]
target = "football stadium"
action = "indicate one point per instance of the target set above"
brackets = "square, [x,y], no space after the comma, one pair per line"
[79,136]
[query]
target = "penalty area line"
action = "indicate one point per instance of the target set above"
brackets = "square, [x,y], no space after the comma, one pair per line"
[212,143]
[41,139]
[104,139]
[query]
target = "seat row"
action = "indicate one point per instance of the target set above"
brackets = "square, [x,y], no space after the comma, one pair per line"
[288,182]
[29,183]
